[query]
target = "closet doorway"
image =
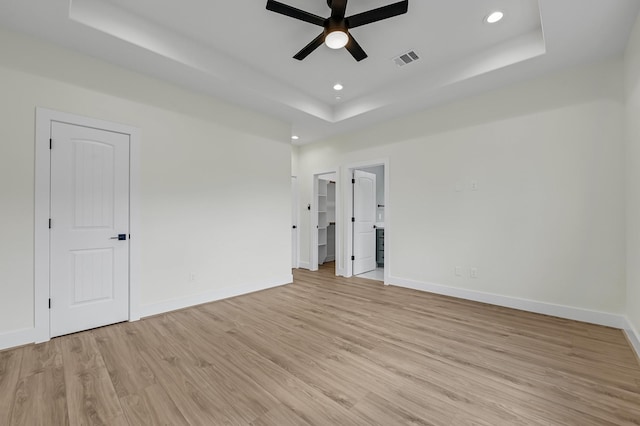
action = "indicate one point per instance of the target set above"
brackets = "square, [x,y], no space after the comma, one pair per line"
[324,248]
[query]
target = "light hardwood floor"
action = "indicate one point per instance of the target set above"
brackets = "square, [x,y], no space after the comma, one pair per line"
[328,351]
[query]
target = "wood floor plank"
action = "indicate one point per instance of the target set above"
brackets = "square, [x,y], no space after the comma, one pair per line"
[10,363]
[41,399]
[234,387]
[280,416]
[308,403]
[128,371]
[151,407]
[393,408]
[305,368]
[39,358]
[91,397]
[198,399]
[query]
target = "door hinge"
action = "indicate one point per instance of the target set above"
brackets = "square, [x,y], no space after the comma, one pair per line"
[353,219]
[353,181]
[353,258]
[49,303]
[50,143]
[49,223]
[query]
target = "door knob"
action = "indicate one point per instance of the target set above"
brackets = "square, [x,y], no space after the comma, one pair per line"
[120,237]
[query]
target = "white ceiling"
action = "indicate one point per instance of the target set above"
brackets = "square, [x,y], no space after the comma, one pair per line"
[238,51]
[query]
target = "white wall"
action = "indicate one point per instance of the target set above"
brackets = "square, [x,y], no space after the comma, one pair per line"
[294,160]
[632,80]
[547,221]
[215,179]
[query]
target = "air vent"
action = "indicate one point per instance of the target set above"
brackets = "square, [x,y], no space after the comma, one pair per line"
[406,58]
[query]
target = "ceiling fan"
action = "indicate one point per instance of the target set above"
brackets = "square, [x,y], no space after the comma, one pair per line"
[336,27]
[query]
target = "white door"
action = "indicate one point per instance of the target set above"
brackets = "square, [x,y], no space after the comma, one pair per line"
[294,223]
[89,266]
[364,231]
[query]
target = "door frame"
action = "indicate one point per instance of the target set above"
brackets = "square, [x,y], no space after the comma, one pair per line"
[295,222]
[44,117]
[348,211]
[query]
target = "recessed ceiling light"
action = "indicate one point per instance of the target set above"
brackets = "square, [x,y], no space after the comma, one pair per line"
[494,17]
[338,87]
[295,138]
[338,98]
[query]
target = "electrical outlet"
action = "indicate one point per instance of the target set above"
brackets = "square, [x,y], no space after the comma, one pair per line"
[192,277]
[474,185]
[473,272]
[458,271]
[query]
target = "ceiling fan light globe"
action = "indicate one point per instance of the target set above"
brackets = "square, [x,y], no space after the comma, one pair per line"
[336,39]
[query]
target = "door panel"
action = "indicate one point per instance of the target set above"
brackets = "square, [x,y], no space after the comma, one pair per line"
[364,212]
[89,208]
[93,184]
[92,275]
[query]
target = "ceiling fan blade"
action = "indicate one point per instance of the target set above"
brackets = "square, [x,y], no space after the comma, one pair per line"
[338,9]
[284,9]
[378,14]
[354,48]
[315,43]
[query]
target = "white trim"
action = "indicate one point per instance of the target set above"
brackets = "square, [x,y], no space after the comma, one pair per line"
[17,338]
[304,265]
[135,224]
[41,229]
[44,117]
[296,221]
[561,311]
[212,296]
[633,336]
[313,261]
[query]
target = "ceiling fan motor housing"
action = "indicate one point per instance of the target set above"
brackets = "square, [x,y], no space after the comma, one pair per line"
[334,24]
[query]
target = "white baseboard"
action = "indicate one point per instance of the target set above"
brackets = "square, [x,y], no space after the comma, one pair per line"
[330,259]
[17,338]
[211,296]
[304,265]
[633,336]
[561,311]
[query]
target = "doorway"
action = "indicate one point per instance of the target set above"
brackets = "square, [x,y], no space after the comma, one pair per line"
[324,223]
[87,210]
[367,195]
